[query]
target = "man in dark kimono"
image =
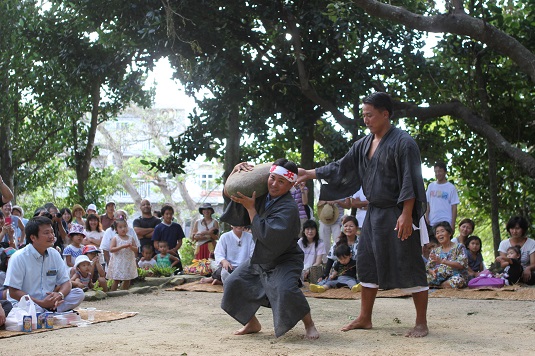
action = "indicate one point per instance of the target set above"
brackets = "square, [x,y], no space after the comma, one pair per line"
[270,278]
[387,165]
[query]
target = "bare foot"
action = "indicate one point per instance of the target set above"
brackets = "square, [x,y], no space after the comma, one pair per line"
[206,280]
[217,282]
[419,330]
[357,324]
[311,333]
[252,327]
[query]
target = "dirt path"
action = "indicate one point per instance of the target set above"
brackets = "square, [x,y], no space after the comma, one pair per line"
[192,323]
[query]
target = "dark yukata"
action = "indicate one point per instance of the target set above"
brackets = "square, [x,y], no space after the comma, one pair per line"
[270,278]
[390,177]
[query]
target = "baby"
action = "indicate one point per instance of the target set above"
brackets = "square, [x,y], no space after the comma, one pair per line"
[512,269]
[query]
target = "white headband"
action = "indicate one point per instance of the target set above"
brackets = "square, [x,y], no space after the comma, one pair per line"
[290,176]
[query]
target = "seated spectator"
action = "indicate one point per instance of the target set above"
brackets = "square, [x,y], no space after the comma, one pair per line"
[511,268]
[97,269]
[342,274]
[81,277]
[76,235]
[4,260]
[147,260]
[349,237]
[7,233]
[466,228]
[38,270]
[447,263]
[164,258]
[312,246]
[234,248]
[475,258]
[426,249]
[517,227]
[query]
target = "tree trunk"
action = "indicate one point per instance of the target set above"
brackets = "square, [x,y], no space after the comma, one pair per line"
[185,195]
[493,190]
[83,162]
[232,148]
[493,166]
[307,154]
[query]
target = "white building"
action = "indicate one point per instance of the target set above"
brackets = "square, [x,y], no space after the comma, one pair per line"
[145,133]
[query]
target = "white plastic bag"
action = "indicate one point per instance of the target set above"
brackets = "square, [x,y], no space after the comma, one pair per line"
[25,306]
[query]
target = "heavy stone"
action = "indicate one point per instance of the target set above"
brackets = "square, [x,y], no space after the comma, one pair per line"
[249,182]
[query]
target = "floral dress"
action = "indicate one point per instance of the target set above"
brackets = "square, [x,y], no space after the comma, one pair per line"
[123,262]
[437,274]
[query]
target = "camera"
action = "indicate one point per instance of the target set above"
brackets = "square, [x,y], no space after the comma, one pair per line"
[58,215]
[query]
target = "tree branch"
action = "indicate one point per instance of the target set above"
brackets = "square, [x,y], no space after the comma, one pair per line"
[475,122]
[306,88]
[457,23]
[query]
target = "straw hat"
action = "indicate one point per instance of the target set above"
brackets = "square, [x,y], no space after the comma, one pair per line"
[327,215]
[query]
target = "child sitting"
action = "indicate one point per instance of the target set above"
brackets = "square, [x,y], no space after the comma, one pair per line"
[147,260]
[343,272]
[93,253]
[164,258]
[475,259]
[82,273]
[512,269]
[76,234]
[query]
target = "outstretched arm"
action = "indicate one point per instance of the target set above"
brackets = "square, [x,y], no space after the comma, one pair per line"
[305,174]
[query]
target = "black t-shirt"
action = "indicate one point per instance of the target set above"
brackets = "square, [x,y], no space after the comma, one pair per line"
[146,223]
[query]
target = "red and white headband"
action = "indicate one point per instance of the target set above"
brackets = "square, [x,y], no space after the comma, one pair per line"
[280,170]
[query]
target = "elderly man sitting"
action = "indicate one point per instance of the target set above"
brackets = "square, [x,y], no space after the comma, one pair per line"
[39,270]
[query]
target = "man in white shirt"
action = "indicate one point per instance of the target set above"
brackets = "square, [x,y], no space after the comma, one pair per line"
[233,248]
[39,271]
[442,199]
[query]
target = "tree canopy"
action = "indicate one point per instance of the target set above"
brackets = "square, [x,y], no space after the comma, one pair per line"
[279,77]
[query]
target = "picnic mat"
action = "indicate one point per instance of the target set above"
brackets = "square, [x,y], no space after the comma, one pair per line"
[101,316]
[506,293]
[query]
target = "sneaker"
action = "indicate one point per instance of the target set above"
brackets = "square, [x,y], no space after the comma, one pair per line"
[356,288]
[314,288]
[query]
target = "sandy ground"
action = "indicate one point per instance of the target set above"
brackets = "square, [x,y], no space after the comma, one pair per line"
[192,323]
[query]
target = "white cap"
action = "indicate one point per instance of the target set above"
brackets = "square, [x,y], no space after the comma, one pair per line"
[91,207]
[80,259]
